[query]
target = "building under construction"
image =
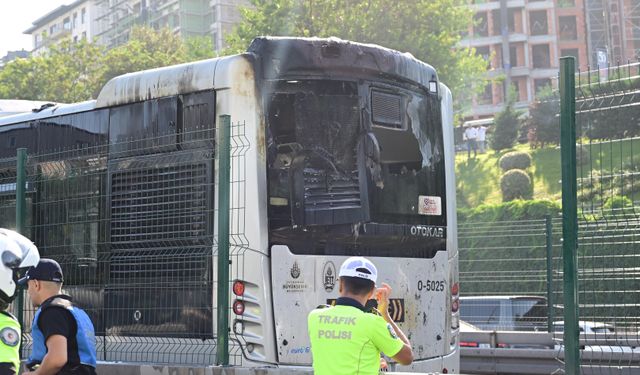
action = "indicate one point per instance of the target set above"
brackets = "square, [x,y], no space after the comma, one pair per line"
[187,18]
[613,31]
[523,41]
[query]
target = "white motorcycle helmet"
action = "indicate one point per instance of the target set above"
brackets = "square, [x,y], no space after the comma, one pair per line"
[16,252]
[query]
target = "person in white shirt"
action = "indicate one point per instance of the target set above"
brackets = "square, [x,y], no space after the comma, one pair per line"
[472,135]
[482,138]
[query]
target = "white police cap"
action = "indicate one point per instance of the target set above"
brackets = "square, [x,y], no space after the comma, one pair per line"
[359,267]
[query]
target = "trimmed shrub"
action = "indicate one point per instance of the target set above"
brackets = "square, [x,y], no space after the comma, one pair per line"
[515,184]
[515,160]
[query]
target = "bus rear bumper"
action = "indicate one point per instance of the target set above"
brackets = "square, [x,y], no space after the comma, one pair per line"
[433,365]
[450,362]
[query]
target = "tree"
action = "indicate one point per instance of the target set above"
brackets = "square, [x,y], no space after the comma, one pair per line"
[72,72]
[609,119]
[507,126]
[544,118]
[146,49]
[429,29]
[199,48]
[68,72]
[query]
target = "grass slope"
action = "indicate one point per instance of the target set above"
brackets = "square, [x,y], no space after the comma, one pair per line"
[478,179]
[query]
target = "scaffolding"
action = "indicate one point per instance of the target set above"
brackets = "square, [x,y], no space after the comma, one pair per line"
[116,18]
[613,30]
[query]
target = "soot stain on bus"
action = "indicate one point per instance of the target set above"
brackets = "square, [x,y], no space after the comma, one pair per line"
[350,152]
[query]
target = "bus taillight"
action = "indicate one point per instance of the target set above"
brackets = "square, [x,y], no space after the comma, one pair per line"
[455,305]
[238,307]
[238,288]
[455,289]
[469,344]
[455,302]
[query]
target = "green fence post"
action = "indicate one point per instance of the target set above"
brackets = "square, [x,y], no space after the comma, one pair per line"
[569,214]
[549,234]
[21,203]
[224,187]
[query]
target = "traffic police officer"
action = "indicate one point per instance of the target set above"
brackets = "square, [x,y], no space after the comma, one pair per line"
[347,338]
[16,252]
[63,335]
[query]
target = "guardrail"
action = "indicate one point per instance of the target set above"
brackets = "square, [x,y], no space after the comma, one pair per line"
[137,369]
[513,338]
[525,353]
[602,353]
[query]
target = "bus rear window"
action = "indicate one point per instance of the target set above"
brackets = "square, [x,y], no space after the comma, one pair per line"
[411,162]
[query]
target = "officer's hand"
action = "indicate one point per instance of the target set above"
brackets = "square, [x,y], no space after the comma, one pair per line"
[384,366]
[382,296]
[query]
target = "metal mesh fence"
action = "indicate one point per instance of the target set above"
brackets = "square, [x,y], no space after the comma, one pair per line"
[238,242]
[509,277]
[8,192]
[608,193]
[503,261]
[131,222]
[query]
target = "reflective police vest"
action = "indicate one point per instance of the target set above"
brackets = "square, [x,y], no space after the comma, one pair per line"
[10,337]
[85,336]
[345,340]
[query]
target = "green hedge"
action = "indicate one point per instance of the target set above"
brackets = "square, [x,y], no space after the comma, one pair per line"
[511,211]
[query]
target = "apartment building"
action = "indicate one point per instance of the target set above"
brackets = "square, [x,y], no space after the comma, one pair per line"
[73,21]
[187,18]
[12,55]
[226,14]
[571,23]
[522,41]
[109,22]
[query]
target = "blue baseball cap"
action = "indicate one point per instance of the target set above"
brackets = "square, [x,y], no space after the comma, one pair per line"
[46,270]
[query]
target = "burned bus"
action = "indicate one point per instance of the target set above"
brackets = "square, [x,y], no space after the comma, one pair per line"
[338,149]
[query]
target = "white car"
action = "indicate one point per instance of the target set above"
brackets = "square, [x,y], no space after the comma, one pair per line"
[589,327]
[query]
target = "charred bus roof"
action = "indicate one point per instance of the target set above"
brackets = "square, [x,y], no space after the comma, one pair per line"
[279,57]
[282,57]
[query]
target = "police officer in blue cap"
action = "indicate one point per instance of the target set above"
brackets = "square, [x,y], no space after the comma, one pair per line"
[63,336]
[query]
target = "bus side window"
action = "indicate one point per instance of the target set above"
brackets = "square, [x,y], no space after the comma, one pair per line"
[166,123]
[198,118]
[127,129]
